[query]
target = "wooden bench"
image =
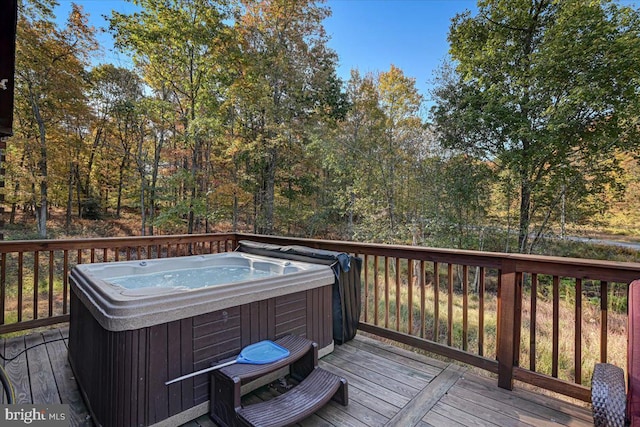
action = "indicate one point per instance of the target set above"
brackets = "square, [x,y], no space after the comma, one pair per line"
[316,388]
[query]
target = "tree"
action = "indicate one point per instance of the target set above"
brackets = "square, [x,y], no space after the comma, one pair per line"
[50,65]
[116,94]
[545,89]
[152,136]
[374,156]
[179,45]
[463,186]
[400,104]
[284,83]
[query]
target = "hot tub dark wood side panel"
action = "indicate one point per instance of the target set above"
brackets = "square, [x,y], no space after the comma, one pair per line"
[224,333]
[122,374]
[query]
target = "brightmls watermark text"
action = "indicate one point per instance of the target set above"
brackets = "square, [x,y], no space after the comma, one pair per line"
[34,415]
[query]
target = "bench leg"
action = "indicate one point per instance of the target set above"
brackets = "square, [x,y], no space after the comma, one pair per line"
[301,368]
[225,399]
[342,395]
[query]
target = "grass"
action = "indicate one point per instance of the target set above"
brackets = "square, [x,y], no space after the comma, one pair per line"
[14,275]
[590,337]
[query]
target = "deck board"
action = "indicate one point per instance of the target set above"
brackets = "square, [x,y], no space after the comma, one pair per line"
[43,384]
[65,381]
[16,369]
[428,397]
[388,386]
[397,369]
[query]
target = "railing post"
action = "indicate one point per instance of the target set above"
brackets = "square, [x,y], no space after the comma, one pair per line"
[509,296]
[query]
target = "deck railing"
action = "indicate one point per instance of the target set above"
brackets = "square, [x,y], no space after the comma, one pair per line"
[34,287]
[524,317]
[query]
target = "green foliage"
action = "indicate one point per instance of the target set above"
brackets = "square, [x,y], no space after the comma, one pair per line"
[285,92]
[547,91]
[50,100]
[177,45]
[234,115]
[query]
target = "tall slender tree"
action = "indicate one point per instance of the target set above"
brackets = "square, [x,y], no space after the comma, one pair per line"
[285,80]
[50,65]
[179,45]
[375,155]
[116,94]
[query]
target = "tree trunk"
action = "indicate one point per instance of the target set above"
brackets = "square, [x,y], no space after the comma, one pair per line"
[67,222]
[525,209]
[143,216]
[92,155]
[154,180]
[268,193]
[195,169]
[41,205]
[123,166]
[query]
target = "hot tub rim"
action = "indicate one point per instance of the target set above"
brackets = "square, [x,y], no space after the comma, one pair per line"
[117,312]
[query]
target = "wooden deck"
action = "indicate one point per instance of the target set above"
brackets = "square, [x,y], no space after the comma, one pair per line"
[387,386]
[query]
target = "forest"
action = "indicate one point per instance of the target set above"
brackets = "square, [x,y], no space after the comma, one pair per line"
[233,118]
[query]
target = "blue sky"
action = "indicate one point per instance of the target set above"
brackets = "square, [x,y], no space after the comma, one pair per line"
[369,35]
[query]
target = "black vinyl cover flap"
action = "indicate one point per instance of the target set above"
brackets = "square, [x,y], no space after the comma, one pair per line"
[346,288]
[298,253]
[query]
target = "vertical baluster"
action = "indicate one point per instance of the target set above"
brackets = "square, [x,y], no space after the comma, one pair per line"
[93,255]
[533,322]
[450,305]
[3,285]
[105,254]
[604,328]
[398,299]
[499,308]
[149,251]
[577,362]
[65,280]
[139,252]
[79,256]
[36,275]
[410,296]
[386,292]
[116,254]
[465,306]
[436,302]
[422,302]
[366,288]
[128,249]
[481,311]
[20,283]
[376,292]
[51,268]
[556,327]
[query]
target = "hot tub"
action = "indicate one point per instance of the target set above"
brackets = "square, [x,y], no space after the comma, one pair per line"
[136,324]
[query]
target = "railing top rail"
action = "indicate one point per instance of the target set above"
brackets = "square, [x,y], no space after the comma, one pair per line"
[578,267]
[614,271]
[107,242]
